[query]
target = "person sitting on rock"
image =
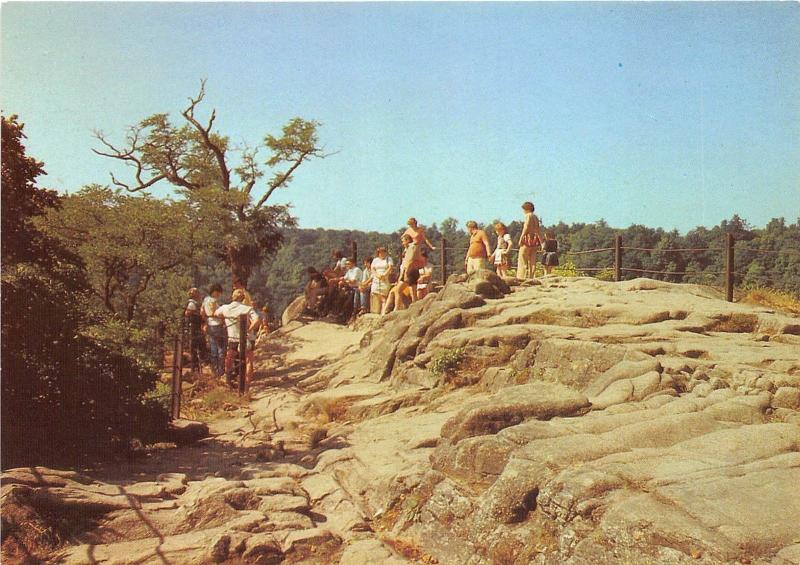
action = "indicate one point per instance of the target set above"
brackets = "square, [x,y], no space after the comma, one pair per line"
[363,287]
[349,283]
[316,293]
[339,262]
[409,272]
[479,248]
[425,276]
[550,256]
[504,246]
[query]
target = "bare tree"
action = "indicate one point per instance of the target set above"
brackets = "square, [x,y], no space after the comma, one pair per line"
[198,162]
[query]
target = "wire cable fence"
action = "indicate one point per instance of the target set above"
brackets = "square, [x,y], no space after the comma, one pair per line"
[721,261]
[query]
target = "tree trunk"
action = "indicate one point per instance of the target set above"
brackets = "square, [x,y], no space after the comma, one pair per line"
[240,261]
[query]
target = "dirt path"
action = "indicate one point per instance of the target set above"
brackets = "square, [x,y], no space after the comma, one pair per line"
[308,472]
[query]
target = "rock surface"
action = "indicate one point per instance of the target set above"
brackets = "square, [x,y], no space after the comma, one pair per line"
[572,421]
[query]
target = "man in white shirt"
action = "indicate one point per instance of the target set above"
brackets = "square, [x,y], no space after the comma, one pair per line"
[229,314]
[351,281]
[217,338]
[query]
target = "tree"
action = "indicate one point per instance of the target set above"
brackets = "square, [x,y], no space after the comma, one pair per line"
[22,200]
[127,242]
[198,162]
[63,392]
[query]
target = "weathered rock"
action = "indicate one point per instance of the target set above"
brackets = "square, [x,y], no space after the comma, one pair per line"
[294,311]
[184,432]
[787,397]
[511,406]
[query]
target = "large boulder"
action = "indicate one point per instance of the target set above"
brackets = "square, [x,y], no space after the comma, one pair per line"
[294,311]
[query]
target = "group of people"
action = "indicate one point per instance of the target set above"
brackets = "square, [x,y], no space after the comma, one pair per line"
[214,332]
[380,285]
[346,290]
[531,240]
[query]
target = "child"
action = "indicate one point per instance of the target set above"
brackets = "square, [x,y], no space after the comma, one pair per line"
[504,245]
[550,249]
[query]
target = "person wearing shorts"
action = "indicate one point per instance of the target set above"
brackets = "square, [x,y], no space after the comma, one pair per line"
[550,256]
[479,248]
[380,273]
[504,245]
[409,271]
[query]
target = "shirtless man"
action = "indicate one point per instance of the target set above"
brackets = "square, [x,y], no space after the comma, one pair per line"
[479,248]
[417,233]
[529,241]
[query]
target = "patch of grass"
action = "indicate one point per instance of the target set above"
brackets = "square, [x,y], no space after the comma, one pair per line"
[330,409]
[736,323]
[772,298]
[447,361]
[217,399]
[605,275]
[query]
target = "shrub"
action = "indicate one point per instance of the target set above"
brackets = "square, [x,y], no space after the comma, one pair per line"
[566,269]
[447,360]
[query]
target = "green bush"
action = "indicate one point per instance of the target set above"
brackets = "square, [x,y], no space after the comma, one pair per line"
[447,360]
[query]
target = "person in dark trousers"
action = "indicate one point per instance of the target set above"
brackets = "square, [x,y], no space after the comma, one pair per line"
[215,329]
[193,320]
[550,248]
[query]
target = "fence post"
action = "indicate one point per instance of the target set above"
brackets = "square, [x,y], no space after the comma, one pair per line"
[242,352]
[354,252]
[617,258]
[444,260]
[730,268]
[177,374]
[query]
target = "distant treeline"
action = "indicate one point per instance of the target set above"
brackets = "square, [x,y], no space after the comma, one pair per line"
[768,256]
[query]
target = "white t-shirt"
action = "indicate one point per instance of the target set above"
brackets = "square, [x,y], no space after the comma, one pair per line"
[231,312]
[426,270]
[353,275]
[209,307]
[503,243]
[379,267]
[365,276]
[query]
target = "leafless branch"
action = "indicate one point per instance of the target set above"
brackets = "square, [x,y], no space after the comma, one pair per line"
[205,134]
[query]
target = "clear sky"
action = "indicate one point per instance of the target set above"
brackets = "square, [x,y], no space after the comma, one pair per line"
[665,114]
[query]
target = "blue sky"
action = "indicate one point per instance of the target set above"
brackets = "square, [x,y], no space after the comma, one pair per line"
[665,114]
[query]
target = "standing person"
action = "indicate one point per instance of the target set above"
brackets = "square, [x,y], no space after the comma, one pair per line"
[238,284]
[363,287]
[409,272]
[229,314]
[263,313]
[529,241]
[381,269]
[504,246]
[550,249]
[479,248]
[193,316]
[217,338]
[417,234]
